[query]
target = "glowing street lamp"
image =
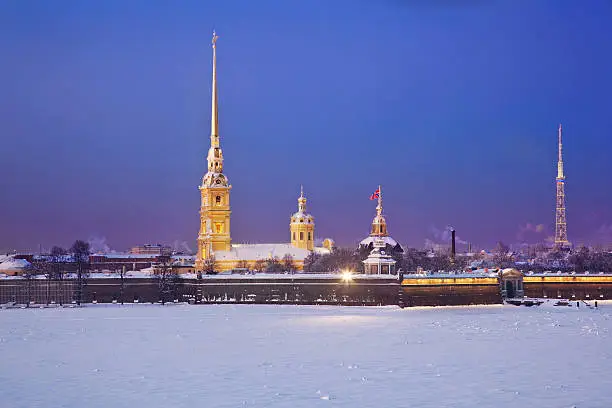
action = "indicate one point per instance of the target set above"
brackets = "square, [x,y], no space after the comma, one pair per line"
[347,275]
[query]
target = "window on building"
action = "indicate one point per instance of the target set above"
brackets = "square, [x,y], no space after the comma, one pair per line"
[218,200]
[301,236]
[219,228]
[309,236]
[294,235]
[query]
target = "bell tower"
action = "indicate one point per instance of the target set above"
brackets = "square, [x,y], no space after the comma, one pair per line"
[215,188]
[302,226]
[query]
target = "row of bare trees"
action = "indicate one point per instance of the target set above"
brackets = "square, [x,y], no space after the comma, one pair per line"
[270,265]
[55,266]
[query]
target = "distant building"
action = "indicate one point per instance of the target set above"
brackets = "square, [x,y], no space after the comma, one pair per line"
[151,249]
[118,261]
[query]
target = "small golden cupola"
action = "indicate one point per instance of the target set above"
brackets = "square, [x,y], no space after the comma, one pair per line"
[379,224]
[302,226]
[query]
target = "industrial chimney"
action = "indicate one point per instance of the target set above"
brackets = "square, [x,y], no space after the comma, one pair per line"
[453,245]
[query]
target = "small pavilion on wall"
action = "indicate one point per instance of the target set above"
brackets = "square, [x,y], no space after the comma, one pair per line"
[379,262]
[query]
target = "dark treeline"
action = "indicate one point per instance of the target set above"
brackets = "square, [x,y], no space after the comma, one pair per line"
[407,261]
[59,262]
[410,260]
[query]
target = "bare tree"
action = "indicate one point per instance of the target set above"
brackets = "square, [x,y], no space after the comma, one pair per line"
[273,265]
[122,282]
[439,262]
[502,256]
[581,259]
[413,259]
[55,268]
[57,259]
[80,253]
[338,259]
[29,274]
[209,266]
[288,264]
[42,266]
[310,262]
[260,265]
[164,273]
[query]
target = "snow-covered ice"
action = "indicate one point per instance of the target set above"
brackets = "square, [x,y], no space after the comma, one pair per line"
[305,356]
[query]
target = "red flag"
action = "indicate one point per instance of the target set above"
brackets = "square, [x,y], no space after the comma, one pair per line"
[375,195]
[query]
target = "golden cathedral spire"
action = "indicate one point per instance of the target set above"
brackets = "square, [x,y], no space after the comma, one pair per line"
[215,189]
[214,118]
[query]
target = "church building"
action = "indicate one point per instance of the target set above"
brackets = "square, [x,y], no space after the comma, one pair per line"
[214,239]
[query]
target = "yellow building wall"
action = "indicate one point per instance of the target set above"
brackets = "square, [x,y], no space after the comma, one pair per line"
[223,265]
[448,281]
[568,279]
[302,235]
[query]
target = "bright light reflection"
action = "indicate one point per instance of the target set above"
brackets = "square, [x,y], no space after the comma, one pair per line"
[347,275]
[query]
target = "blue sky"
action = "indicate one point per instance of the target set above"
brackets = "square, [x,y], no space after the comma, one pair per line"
[452,106]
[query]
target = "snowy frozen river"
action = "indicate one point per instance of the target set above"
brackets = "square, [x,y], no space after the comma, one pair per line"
[305,356]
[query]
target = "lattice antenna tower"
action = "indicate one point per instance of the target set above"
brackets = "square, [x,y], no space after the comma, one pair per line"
[560,220]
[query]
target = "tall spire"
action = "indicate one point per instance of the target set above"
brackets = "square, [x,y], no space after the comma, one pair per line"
[214,125]
[215,155]
[379,206]
[215,189]
[560,174]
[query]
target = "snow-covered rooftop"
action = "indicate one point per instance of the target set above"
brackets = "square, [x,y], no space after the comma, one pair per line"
[370,240]
[321,250]
[252,252]
[126,256]
[12,264]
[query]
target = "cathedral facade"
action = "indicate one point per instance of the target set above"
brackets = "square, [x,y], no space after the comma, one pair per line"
[214,240]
